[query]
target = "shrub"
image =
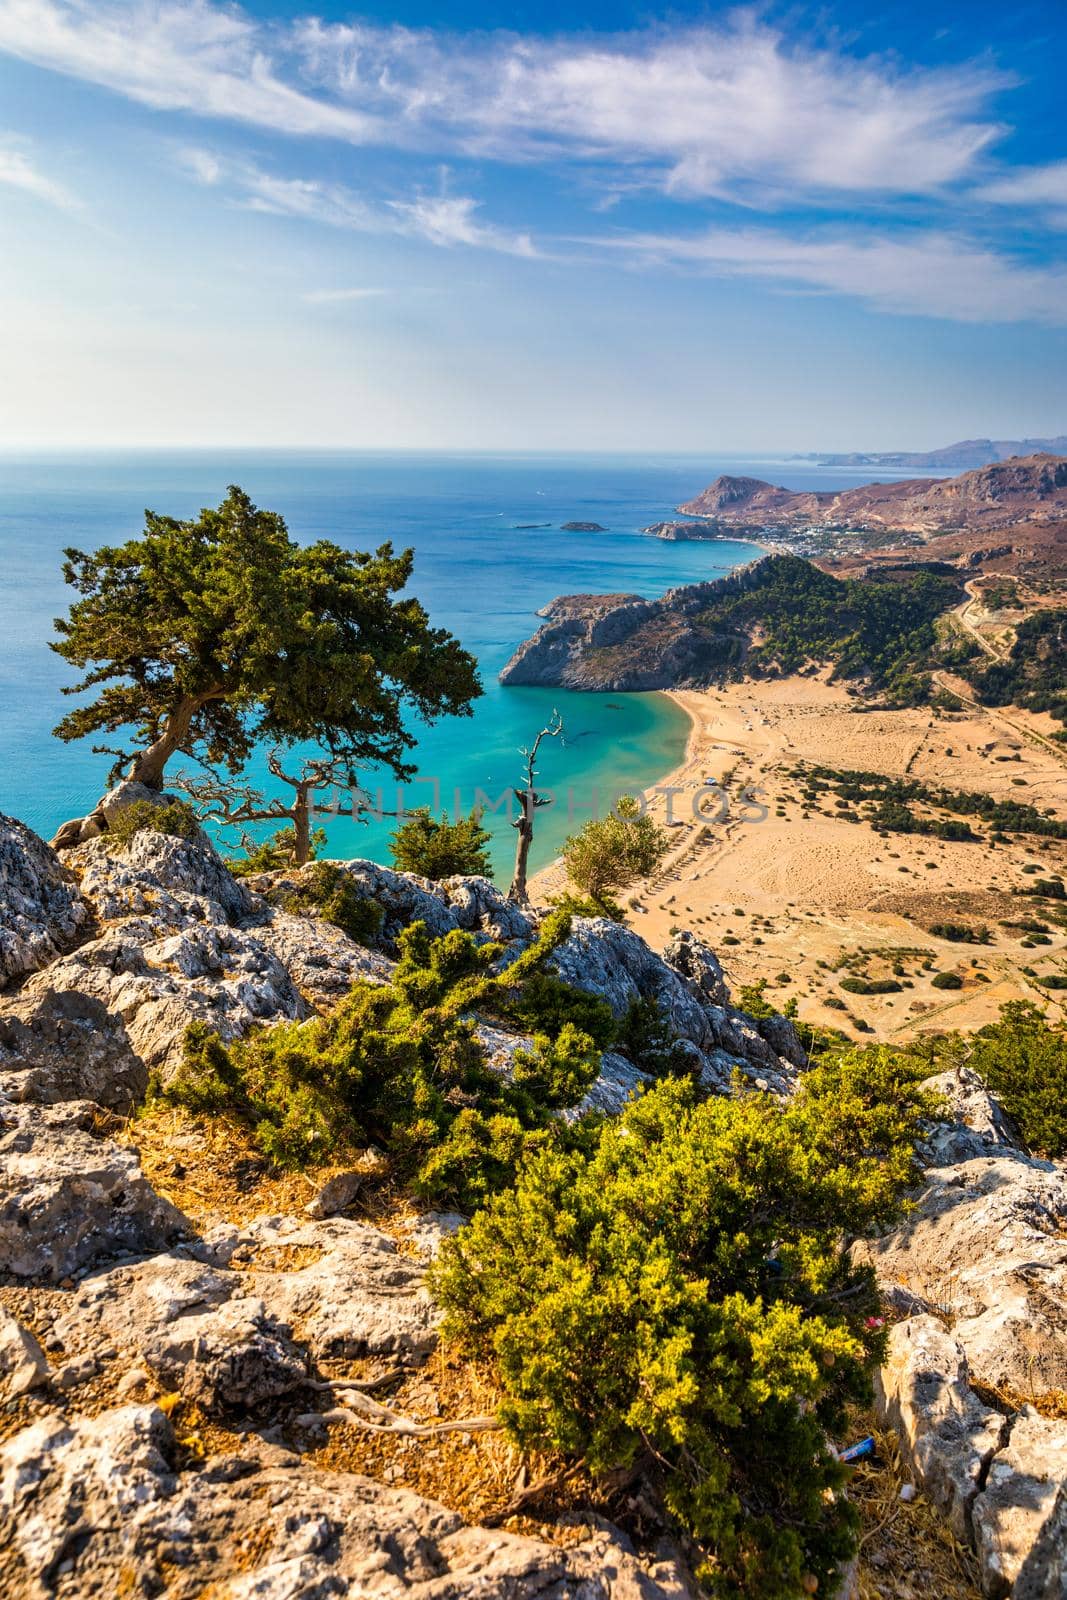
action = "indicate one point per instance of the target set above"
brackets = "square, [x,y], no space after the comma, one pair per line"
[946,980]
[329,892]
[612,853]
[401,1064]
[1054,980]
[644,1035]
[675,1297]
[1023,1060]
[439,849]
[871,985]
[175,817]
[961,932]
[275,853]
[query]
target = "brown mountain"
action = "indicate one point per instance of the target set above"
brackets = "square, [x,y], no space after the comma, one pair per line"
[1022,489]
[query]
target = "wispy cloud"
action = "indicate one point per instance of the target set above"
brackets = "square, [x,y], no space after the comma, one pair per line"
[17,171]
[176,55]
[734,109]
[1043,188]
[442,219]
[926,274]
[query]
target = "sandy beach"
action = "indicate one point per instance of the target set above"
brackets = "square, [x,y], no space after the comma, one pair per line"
[804,898]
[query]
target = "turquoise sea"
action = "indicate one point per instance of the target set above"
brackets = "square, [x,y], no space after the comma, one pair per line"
[477,570]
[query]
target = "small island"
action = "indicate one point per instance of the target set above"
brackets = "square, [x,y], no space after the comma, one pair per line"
[582,527]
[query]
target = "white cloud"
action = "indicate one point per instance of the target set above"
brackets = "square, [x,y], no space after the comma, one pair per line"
[733,108]
[927,274]
[1043,188]
[17,171]
[709,109]
[444,220]
[176,55]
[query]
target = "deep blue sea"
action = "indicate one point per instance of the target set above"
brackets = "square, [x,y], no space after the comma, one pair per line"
[476,571]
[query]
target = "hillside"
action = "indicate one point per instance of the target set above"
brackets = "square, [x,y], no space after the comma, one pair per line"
[962,455]
[1021,490]
[777,615]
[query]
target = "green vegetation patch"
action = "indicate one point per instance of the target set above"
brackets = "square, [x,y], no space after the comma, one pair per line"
[174,817]
[674,1297]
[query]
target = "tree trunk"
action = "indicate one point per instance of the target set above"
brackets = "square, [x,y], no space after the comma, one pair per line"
[148,767]
[518,891]
[301,826]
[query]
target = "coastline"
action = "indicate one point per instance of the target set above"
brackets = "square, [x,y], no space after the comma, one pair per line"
[795,894]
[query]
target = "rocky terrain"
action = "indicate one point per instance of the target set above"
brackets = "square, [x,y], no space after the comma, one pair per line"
[174,1378]
[618,642]
[1025,489]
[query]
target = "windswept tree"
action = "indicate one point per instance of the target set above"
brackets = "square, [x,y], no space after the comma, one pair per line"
[209,635]
[235,804]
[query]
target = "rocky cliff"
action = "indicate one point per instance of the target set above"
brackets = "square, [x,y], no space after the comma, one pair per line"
[1020,490]
[618,642]
[148,1354]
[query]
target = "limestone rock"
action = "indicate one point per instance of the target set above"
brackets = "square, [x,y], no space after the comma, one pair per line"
[64,1045]
[1016,1508]
[22,1361]
[104,1489]
[986,1242]
[1041,1576]
[619,1081]
[169,882]
[428,1231]
[975,1124]
[41,910]
[68,1198]
[84,1482]
[322,962]
[700,966]
[233,1355]
[212,973]
[129,1306]
[606,959]
[947,1436]
[359,1297]
[479,907]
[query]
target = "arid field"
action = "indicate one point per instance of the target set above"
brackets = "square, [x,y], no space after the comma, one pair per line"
[802,897]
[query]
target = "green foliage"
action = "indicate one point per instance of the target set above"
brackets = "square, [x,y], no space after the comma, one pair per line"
[879,629]
[645,1037]
[752,1000]
[215,633]
[401,1065]
[888,803]
[329,892]
[173,817]
[961,932]
[1023,1060]
[274,854]
[545,1004]
[611,853]
[946,980]
[675,1294]
[438,849]
[1035,673]
[871,985]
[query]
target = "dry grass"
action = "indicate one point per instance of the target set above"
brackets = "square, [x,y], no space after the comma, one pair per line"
[907,1550]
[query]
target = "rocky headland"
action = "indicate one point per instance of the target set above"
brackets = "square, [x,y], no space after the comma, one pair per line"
[1021,490]
[178,1367]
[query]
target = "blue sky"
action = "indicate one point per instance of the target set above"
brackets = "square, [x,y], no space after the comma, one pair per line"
[703,228]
